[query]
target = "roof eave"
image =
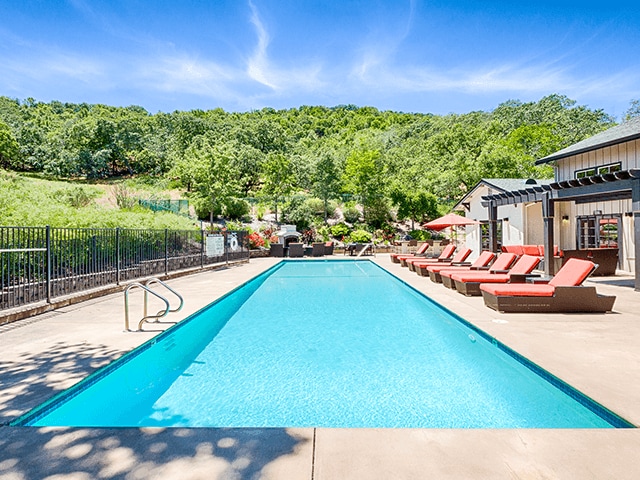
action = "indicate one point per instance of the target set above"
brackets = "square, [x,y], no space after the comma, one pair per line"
[560,156]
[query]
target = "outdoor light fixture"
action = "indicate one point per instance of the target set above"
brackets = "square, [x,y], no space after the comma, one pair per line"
[597,212]
[565,217]
[628,214]
[505,219]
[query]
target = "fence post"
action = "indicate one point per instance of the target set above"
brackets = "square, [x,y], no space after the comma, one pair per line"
[48,260]
[117,255]
[201,247]
[166,251]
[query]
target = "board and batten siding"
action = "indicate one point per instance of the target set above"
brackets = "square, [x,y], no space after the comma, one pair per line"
[627,153]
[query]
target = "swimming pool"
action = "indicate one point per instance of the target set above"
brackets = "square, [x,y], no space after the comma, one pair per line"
[325,344]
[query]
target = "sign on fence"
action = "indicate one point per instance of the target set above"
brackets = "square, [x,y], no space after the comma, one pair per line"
[214,245]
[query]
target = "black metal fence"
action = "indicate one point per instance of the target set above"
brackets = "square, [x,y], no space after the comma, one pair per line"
[41,263]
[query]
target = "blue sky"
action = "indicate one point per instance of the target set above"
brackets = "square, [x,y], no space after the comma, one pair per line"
[412,56]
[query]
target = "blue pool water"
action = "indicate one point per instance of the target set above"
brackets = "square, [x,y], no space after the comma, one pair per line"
[327,344]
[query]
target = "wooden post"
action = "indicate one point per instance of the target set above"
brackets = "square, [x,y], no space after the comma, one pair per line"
[548,212]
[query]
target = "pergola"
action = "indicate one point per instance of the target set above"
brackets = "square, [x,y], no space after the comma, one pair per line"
[624,184]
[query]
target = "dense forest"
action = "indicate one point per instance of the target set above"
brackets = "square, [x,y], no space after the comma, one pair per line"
[300,163]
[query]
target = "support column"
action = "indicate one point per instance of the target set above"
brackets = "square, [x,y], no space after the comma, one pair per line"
[493,226]
[548,212]
[635,207]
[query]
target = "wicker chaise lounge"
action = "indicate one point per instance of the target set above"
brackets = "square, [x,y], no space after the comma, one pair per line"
[468,283]
[422,252]
[501,265]
[563,293]
[458,259]
[445,256]
[433,271]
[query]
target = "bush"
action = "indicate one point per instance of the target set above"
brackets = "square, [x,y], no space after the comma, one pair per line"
[351,214]
[236,208]
[324,232]
[339,230]
[421,235]
[202,207]
[360,236]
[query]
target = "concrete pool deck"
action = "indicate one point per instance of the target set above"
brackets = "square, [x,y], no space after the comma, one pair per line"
[597,354]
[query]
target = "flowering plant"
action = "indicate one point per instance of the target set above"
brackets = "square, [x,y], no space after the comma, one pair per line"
[255,240]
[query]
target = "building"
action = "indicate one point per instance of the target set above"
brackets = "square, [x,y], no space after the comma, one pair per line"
[593,203]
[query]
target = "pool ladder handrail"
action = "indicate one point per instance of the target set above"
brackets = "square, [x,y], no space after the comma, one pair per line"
[147,290]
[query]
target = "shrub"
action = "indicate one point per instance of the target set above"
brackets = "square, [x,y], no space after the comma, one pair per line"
[255,240]
[236,208]
[351,214]
[360,236]
[339,230]
[421,235]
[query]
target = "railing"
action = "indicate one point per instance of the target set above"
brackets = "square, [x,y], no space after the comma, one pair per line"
[41,263]
[145,311]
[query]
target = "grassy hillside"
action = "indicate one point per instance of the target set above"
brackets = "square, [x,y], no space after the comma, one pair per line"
[32,201]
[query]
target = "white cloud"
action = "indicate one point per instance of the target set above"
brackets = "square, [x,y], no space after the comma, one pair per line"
[261,69]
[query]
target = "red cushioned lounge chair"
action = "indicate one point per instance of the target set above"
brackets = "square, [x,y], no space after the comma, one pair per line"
[468,283]
[433,271]
[422,251]
[501,265]
[445,256]
[460,258]
[563,293]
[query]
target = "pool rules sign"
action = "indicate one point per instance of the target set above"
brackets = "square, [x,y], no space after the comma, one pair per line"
[215,245]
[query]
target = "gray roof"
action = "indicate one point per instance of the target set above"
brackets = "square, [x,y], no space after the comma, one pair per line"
[629,130]
[511,184]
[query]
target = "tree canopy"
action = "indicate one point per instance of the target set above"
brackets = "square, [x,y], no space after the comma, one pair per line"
[411,161]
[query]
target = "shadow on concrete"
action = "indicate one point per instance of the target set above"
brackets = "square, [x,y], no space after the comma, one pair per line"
[615,282]
[118,453]
[86,453]
[32,378]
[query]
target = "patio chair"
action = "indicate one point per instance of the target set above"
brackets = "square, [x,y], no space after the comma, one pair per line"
[433,271]
[563,293]
[296,250]
[445,256]
[276,250]
[317,249]
[328,248]
[468,283]
[502,263]
[420,253]
[460,258]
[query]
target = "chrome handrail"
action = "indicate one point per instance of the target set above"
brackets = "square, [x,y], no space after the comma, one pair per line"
[153,280]
[164,312]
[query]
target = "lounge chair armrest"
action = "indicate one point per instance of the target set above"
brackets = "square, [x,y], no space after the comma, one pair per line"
[522,277]
[539,280]
[461,264]
[480,268]
[499,271]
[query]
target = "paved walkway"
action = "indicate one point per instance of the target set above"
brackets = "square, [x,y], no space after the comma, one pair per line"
[598,354]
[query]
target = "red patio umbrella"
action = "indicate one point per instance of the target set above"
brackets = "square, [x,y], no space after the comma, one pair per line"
[450,220]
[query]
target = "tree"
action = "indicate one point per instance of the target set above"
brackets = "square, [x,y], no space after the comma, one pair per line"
[9,148]
[415,204]
[364,177]
[212,170]
[633,111]
[326,180]
[278,178]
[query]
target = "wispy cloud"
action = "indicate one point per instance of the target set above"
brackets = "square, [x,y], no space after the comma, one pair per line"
[262,69]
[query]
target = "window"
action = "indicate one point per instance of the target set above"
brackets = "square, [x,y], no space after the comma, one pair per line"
[484,235]
[590,172]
